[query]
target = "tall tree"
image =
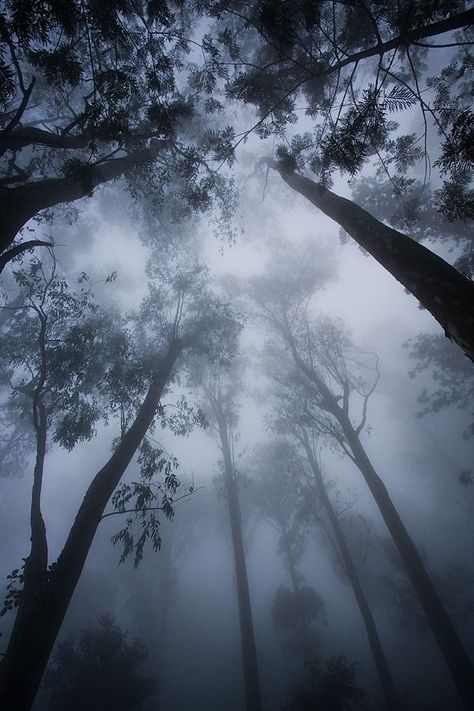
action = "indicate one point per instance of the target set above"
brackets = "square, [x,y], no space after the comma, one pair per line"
[330,375]
[55,376]
[306,442]
[350,65]
[220,390]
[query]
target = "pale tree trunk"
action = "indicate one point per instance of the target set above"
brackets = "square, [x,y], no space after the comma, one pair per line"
[39,620]
[439,287]
[253,701]
[349,567]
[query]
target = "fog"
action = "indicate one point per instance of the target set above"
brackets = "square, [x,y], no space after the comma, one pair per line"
[251,436]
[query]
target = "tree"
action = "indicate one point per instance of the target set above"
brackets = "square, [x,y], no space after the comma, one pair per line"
[286,420]
[220,389]
[179,316]
[330,686]
[278,497]
[349,76]
[330,376]
[90,93]
[99,671]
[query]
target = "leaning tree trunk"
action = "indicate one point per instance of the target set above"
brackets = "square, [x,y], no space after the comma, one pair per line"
[38,624]
[253,700]
[451,646]
[438,619]
[383,669]
[439,287]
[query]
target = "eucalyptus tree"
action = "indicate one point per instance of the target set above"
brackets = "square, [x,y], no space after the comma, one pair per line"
[278,492]
[290,420]
[94,92]
[221,387]
[78,366]
[336,382]
[324,79]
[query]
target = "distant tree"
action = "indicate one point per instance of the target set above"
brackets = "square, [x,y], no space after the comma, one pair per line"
[451,377]
[220,389]
[334,382]
[331,686]
[99,671]
[76,368]
[277,492]
[302,469]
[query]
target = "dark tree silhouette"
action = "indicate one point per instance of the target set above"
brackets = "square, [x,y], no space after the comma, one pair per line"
[99,671]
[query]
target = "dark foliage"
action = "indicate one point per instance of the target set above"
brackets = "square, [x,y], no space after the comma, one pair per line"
[331,686]
[99,671]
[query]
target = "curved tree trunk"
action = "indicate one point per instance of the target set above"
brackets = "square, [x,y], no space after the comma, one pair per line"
[439,287]
[46,601]
[253,700]
[383,670]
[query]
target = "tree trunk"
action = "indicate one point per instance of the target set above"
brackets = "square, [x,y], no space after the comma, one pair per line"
[451,646]
[448,640]
[253,700]
[31,642]
[439,287]
[20,204]
[383,670]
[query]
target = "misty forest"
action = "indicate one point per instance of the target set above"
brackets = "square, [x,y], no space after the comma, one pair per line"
[237,355]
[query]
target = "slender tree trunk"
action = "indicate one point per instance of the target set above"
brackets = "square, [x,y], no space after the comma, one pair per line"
[41,618]
[383,670]
[448,640]
[451,646]
[253,700]
[439,287]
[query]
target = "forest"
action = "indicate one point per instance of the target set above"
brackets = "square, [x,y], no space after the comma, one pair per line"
[236,355]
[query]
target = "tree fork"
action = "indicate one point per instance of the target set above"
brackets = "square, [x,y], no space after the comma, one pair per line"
[439,287]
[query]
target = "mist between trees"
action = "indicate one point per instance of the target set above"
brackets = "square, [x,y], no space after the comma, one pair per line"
[237,334]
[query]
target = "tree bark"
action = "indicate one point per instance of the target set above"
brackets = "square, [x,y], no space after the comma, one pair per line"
[253,700]
[439,287]
[383,670]
[31,643]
